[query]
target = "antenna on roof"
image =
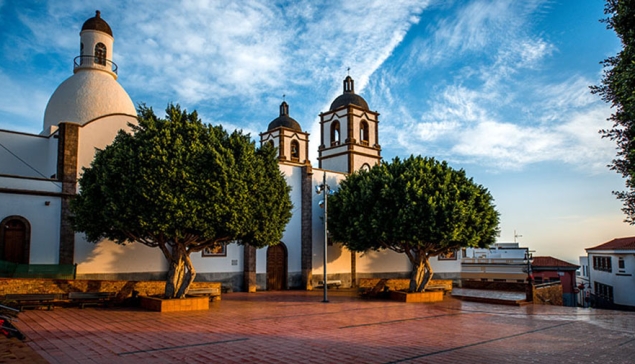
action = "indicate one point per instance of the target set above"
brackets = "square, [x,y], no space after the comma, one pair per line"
[516,236]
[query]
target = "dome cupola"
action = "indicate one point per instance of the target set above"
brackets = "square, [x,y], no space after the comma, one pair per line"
[284,120]
[349,97]
[97,23]
[92,92]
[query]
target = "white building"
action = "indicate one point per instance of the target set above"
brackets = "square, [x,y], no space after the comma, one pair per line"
[582,280]
[39,174]
[611,273]
[502,262]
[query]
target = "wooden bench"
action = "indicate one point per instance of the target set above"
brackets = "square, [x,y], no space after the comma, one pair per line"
[33,300]
[331,283]
[212,293]
[90,298]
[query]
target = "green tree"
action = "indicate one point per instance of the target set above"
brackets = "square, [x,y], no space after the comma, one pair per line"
[419,207]
[182,186]
[618,89]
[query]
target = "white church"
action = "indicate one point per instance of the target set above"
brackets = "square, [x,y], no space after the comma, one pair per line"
[39,173]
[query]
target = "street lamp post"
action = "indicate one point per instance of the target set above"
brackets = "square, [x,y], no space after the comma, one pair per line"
[528,260]
[326,190]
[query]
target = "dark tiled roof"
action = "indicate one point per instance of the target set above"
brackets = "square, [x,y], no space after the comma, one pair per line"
[552,262]
[349,97]
[97,23]
[284,120]
[617,244]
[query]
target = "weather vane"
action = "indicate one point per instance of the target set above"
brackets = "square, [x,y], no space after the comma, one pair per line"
[283,97]
[348,71]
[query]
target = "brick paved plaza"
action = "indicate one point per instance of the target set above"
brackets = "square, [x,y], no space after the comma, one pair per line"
[295,326]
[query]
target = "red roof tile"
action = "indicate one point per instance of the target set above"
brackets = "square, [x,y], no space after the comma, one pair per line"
[552,262]
[617,244]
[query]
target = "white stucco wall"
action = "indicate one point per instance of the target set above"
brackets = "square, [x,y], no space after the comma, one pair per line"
[97,135]
[232,263]
[32,151]
[106,257]
[620,279]
[44,221]
[292,236]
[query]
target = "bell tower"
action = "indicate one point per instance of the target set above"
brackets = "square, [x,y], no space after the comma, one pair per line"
[286,134]
[95,51]
[349,133]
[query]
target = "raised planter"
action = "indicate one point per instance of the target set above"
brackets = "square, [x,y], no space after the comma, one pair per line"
[174,304]
[416,297]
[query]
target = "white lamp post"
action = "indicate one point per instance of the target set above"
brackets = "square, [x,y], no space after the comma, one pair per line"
[326,190]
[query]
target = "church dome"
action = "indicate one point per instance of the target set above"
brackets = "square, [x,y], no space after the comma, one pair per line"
[86,96]
[349,97]
[97,23]
[284,120]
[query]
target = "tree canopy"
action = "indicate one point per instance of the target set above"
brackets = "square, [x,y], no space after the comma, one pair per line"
[182,186]
[419,207]
[618,89]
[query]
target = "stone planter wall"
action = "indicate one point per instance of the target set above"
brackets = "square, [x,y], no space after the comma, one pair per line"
[417,297]
[123,289]
[401,284]
[174,304]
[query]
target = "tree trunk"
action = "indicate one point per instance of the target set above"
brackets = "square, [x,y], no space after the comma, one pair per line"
[421,273]
[181,273]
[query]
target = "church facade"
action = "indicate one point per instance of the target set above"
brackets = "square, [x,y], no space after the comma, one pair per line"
[39,173]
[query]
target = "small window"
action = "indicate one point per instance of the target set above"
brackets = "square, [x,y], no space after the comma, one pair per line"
[363,133]
[620,263]
[603,291]
[81,53]
[335,133]
[602,263]
[100,54]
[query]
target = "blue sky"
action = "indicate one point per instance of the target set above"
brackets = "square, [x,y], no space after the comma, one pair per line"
[499,88]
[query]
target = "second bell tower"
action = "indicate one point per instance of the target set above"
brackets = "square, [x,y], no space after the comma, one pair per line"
[349,133]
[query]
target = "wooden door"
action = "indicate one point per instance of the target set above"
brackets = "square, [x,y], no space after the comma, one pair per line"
[277,267]
[14,241]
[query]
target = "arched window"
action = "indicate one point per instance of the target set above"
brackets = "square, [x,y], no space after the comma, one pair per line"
[363,133]
[15,236]
[100,54]
[335,133]
[295,150]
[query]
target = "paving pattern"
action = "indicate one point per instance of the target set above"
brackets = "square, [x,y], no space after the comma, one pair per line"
[296,327]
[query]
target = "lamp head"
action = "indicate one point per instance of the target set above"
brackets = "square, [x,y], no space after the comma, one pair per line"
[321,203]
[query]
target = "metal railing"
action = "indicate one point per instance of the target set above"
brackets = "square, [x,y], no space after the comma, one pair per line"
[88,60]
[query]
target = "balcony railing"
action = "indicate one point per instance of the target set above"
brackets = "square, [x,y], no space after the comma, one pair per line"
[88,60]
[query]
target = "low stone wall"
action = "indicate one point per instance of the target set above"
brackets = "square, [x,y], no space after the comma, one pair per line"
[548,294]
[401,284]
[495,286]
[123,289]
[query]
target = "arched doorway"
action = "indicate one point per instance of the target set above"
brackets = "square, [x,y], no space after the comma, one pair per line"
[277,267]
[15,234]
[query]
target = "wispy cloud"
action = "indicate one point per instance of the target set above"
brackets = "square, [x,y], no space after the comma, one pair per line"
[495,111]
